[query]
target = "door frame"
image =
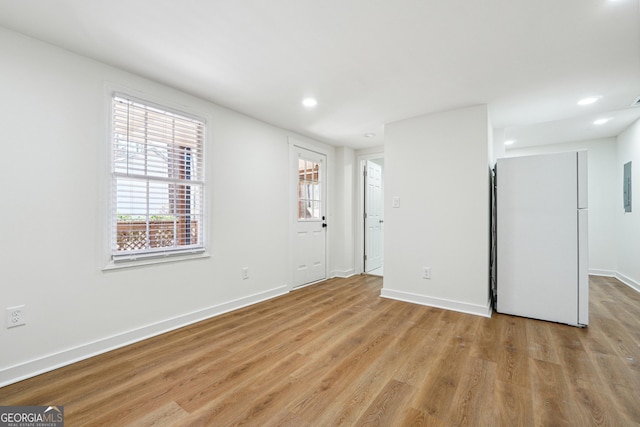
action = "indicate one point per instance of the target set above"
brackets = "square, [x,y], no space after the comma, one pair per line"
[359,243]
[292,189]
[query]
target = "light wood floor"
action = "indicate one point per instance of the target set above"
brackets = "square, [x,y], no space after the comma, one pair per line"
[337,354]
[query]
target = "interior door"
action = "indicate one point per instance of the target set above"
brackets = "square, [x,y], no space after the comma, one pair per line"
[373,216]
[309,246]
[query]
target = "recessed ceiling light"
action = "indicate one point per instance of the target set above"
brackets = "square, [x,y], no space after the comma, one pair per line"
[602,121]
[309,102]
[369,135]
[589,100]
[509,142]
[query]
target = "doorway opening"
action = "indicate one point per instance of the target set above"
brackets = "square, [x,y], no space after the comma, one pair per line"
[372,196]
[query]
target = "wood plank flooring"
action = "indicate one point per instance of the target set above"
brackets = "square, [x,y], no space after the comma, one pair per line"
[337,354]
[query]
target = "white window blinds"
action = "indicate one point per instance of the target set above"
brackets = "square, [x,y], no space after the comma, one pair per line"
[158,181]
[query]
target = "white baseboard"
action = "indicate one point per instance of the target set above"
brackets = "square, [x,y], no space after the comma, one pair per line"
[624,279]
[343,274]
[50,362]
[628,281]
[463,307]
[606,273]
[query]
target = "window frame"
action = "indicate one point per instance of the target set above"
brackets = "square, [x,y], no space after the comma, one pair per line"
[149,255]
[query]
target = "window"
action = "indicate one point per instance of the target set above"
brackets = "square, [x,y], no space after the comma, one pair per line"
[309,201]
[157,181]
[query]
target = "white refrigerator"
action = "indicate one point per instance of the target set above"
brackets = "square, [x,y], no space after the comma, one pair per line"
[542,239]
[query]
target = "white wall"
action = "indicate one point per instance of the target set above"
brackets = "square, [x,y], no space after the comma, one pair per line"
[602,198]
[54,175]
[628,224]
[437,166]
[496,146]
[342,224]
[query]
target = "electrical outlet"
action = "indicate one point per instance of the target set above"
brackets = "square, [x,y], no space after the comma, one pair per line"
[427,273]
[245,273]
[15,316]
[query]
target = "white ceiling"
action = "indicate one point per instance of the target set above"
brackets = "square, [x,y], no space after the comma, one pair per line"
[369,62]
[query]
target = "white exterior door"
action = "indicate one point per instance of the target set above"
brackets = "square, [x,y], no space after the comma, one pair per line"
[373,216]
[309,240]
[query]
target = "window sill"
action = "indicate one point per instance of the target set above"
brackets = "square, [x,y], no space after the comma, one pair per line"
[117,265]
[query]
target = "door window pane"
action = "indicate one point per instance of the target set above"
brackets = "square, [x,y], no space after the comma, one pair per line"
[309,190]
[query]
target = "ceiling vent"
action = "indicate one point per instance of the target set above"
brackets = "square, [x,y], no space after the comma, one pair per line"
[636,103]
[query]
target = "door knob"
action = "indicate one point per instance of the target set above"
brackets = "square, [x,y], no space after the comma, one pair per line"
[381,221]
[324,225]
